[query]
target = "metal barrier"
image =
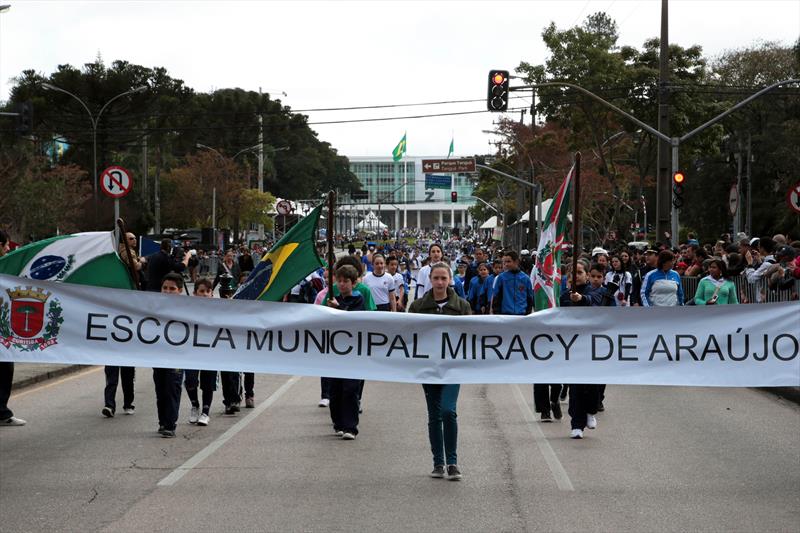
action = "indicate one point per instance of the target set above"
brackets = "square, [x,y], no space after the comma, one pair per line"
[748,293]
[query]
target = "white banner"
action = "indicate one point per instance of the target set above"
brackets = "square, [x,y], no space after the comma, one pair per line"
[729,345]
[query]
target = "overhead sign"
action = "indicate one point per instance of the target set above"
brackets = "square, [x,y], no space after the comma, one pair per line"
[793,197]
[733,199]
[435,181]
[466,164]
[116,182]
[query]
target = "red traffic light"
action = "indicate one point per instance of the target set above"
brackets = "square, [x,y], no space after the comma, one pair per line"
[453,196]
[678,178]
[498,78]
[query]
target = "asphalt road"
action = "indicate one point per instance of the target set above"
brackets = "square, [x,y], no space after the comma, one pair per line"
[662,459]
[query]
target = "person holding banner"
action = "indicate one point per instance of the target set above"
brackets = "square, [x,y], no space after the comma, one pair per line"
[168,380]
[345,393]
[441,399]
[205,379]
[7,417]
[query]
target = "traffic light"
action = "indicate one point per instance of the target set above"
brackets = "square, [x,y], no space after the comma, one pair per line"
[25,118]
[453,196]
[678,179]
[497,97]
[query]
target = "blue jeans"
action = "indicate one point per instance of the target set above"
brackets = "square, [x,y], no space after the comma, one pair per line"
[442,423]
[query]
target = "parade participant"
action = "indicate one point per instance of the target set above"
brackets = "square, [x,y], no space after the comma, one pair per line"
[513,292]
[400,288]
[162,263]
[231,381]
[344,400]
[168,380]
[381,284]
[249,378]
[620,279]
[583,398]
[662,287]
[136,262]
[472,269]
[228,267]
[206,379]
[441,399]
[113,375]
[435,254]
[600,257]
[7,417]
[477,296]
[716,288]
[461,271]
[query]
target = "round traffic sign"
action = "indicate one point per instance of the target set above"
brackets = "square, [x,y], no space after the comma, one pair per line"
[116,182]
[733,199]
[793,197]
[284,207]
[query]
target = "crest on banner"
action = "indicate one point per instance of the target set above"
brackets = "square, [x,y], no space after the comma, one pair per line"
[27,322]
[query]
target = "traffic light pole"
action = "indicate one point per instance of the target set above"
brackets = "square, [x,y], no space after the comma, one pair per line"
[674,142]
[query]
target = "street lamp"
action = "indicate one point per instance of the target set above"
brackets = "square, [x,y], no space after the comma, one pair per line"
[95,120]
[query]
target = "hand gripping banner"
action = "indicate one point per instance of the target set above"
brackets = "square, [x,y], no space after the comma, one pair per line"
[731,345]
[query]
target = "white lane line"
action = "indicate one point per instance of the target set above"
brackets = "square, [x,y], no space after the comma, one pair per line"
[203,454]
[557,469]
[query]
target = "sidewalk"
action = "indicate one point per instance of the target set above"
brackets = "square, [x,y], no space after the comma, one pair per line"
[26,374]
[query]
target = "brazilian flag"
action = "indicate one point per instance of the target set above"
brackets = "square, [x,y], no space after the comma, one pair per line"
[291,259]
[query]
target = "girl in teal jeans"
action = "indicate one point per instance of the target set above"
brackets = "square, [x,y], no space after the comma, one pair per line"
[441,399]
[715,289]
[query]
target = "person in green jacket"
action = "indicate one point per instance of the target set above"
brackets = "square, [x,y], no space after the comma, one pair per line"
[441,399]
[716,289]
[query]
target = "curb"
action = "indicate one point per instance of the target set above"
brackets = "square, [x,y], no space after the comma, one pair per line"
[791,394]
[27,382]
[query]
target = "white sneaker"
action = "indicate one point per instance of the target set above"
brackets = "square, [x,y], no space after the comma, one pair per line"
[203,420]
[576,434]
[129,410]
[348,436]
[339,433]
[324,402]
[12,421]
[194,415]
[591,421]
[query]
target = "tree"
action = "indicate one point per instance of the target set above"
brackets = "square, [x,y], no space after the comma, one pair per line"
[255,207]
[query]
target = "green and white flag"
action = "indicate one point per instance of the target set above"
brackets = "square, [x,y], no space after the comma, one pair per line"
[452,149]
[546,273]
[82,258]
[399,150]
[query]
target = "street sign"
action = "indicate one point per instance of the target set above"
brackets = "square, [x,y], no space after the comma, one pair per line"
[435,181]
[793,197]
[284,207]
[466,164]
[116,182]
[733,199]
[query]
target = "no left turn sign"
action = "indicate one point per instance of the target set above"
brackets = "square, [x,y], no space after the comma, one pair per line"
[116,182]
[793,197]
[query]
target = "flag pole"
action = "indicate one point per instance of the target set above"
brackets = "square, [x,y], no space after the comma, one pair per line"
[329,236]
[576,219]
[129,260]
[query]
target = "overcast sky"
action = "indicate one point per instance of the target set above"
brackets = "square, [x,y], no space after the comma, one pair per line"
[319,53]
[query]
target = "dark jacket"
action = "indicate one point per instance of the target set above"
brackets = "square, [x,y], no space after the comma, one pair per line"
[591,297]
[354,302]
[159,265]
[427,305]
[512,294]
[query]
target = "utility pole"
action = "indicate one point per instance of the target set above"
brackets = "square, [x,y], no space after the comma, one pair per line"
[144,174]
[261,166]
[156,199]
[663,179]
[749,221]
[737,217]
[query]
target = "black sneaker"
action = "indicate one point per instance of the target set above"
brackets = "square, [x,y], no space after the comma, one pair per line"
[236,407]
[229,410]
[453,473]
[438,471]
[601,407]
[108,412]
[556,406]
[168,434]
[546,417]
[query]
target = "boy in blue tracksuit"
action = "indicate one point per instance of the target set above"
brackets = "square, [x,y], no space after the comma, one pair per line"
[477,295]
[513,292]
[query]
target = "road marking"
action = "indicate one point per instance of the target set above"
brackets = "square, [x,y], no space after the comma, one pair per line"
[557,469]
[203,454]
[48,383]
